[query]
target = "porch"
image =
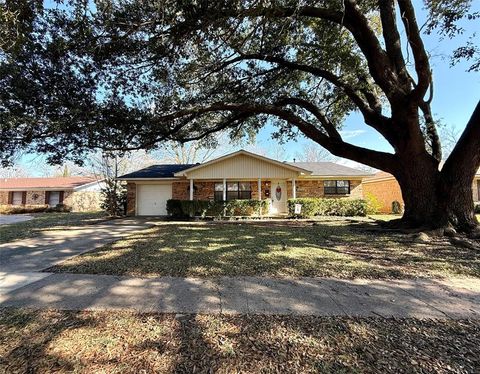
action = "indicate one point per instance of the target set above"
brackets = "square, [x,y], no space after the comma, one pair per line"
[278,191]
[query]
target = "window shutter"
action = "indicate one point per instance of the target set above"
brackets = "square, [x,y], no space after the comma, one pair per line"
[47,197]
[10,197]
[60,199]
[24,197]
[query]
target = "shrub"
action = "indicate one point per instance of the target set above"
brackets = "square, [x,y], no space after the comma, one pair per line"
[59,208]
[310,207]
[208,208]
[373,205]
[328,207]
[396,207]
[22,209]
[477,208]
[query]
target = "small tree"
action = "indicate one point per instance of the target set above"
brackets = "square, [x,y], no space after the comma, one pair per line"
[114,195]
[114,192]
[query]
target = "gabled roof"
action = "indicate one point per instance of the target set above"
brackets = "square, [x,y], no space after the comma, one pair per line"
[61,183]
[381,175]
[157,171]
[329,169]
[246,153]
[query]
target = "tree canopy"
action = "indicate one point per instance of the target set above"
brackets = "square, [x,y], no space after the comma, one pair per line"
[127,74]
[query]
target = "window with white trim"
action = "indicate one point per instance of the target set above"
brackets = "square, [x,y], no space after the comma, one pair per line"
[336,187]
[235,191]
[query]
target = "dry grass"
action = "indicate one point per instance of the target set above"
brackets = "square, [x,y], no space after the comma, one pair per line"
[336,248]
[122,342]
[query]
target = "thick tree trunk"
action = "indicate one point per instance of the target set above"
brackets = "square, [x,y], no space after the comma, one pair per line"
[433,201]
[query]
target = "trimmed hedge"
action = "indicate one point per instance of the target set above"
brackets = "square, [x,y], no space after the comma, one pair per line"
[26,209]
[22,209]
[328,207]
[209,208]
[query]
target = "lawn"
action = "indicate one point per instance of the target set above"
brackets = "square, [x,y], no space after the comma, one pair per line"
[106,342]
[46,221]
[330,248]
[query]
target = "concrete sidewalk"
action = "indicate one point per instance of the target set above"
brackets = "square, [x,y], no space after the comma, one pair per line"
[330,297]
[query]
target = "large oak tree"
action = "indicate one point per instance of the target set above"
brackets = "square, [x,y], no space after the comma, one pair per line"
[130,74]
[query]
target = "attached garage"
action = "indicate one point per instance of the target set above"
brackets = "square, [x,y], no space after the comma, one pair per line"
[152,199]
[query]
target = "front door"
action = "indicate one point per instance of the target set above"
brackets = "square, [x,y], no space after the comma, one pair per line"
[279,197]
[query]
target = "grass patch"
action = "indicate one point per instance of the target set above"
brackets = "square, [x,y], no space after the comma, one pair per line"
[46,221]
[335,248]
[113,342]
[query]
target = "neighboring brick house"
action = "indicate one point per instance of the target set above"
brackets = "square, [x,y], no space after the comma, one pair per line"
[385,188]
[79,193]
[240,175]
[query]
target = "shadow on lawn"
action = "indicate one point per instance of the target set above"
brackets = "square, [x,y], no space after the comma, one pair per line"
[333,249]
[42,342]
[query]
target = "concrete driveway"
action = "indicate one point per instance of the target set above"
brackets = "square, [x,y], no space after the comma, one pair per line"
[56,245]
[14,218]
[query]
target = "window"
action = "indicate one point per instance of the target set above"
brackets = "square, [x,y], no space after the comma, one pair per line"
[336,187]
[54,198]
[17,198]
[235,191]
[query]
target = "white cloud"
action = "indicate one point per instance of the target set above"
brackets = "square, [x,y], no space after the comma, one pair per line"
[349,134]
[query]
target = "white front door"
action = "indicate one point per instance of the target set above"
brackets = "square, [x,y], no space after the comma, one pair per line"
[279,197]
[152,199]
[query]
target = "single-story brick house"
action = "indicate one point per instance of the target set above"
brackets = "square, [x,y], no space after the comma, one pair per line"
[239,175]
[385,188]
[79,193]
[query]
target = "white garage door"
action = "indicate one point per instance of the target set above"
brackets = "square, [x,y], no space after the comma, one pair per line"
[152,199]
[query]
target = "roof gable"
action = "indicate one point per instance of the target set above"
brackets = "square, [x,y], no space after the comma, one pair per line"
[243,164]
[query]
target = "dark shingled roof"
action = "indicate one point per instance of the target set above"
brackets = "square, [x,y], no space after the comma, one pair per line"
[317,168]
[158,171]
[329,169]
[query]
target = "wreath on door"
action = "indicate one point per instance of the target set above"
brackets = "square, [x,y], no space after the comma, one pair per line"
[278,192]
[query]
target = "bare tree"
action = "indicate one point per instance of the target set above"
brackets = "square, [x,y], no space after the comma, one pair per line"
[312,152]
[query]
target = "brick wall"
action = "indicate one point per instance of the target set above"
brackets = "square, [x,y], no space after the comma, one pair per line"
[386,192]
[131,198]
[310,188]
[206,190]
[356,189]
[3,197]
[35,198]
[180,190]
[314,188]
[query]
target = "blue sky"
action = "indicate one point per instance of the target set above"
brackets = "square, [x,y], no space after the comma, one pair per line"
[456,93]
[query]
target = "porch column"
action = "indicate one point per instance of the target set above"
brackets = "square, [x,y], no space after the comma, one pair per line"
[259,188]
[191,189]
[294,188]
[224,189]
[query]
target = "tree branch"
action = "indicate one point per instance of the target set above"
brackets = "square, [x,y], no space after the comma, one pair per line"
[422,65]
[326,124]
[466,154]
[392,37]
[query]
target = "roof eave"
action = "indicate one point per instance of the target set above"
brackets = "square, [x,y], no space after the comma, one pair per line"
[184,173]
